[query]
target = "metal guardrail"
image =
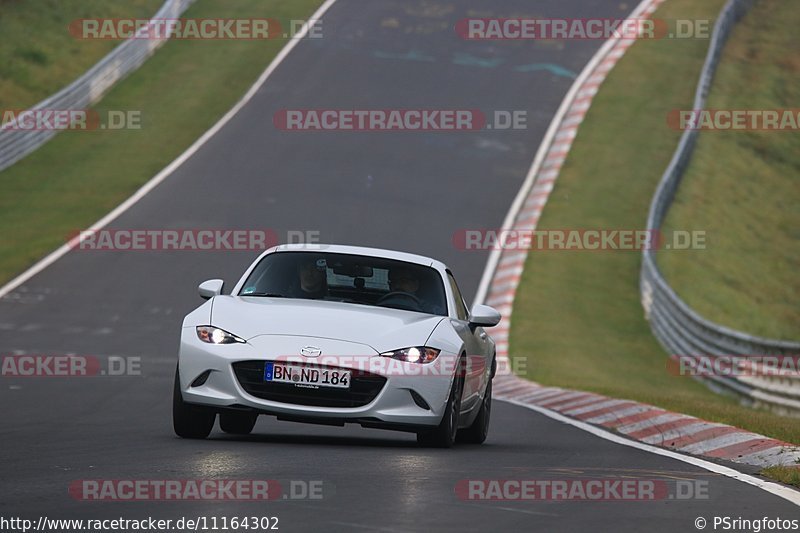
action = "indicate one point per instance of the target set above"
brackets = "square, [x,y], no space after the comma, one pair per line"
[88,89]
[678,327]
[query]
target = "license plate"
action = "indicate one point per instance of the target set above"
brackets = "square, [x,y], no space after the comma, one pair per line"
[307,376]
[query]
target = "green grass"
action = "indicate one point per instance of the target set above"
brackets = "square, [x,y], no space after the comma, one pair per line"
[577,318]
[38,56]
[789,475]
[742,189]
[181,91]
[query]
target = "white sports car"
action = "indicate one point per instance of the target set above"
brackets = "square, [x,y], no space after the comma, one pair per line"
[335,334]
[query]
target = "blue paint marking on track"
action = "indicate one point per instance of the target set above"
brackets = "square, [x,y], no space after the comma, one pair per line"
[474,61]
[469,60]
[550,67]
[411,55]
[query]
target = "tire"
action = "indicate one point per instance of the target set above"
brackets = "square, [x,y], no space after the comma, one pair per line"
[479,430]
[189,421]
[444,435]
[237,423]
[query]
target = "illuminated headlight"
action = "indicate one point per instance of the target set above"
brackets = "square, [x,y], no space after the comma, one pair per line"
[415,354]
[213,335]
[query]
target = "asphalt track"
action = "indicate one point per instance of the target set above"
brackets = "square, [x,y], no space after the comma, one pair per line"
[409,191]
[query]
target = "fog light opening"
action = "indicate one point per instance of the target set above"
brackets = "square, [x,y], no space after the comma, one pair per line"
[200,380]
[419,400]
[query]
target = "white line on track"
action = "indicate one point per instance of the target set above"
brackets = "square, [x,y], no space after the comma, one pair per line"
[519,201]
[541,161]
[169,169]
[544,148]
[774,488]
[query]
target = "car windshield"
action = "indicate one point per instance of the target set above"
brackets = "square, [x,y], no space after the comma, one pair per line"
[348,278]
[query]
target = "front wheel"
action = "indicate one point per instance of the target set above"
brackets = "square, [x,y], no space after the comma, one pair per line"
[444,435]
[189,421]
[237,423]
[479,430]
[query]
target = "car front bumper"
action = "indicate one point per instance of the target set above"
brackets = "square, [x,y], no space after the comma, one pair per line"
[412,395]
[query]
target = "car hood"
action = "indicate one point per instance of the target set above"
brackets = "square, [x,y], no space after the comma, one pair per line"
[380,328]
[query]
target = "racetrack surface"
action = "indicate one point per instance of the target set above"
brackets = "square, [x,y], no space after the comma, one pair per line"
[407,191]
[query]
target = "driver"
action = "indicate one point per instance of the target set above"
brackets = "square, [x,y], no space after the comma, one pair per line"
[406,280]
[403,280]
[313,281]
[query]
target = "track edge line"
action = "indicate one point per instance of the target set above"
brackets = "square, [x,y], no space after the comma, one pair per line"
[153,182]
[781,491]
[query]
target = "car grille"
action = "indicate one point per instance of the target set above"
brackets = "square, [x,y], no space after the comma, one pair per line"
[364,387]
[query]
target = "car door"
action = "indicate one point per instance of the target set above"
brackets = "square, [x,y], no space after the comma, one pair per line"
[476,345]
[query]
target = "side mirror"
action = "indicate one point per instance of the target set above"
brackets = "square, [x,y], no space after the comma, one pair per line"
[483,315]
[209,289]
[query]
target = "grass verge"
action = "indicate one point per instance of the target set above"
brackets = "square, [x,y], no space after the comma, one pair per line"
[789,475]
[180,92]
[577,320]
[38,56]
[741,188]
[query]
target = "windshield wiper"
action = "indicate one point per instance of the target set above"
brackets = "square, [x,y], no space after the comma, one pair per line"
[265,294]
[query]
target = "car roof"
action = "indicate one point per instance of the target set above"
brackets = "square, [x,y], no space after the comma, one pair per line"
[361,250]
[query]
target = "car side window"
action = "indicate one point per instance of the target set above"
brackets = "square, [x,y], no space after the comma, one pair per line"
[461,307]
